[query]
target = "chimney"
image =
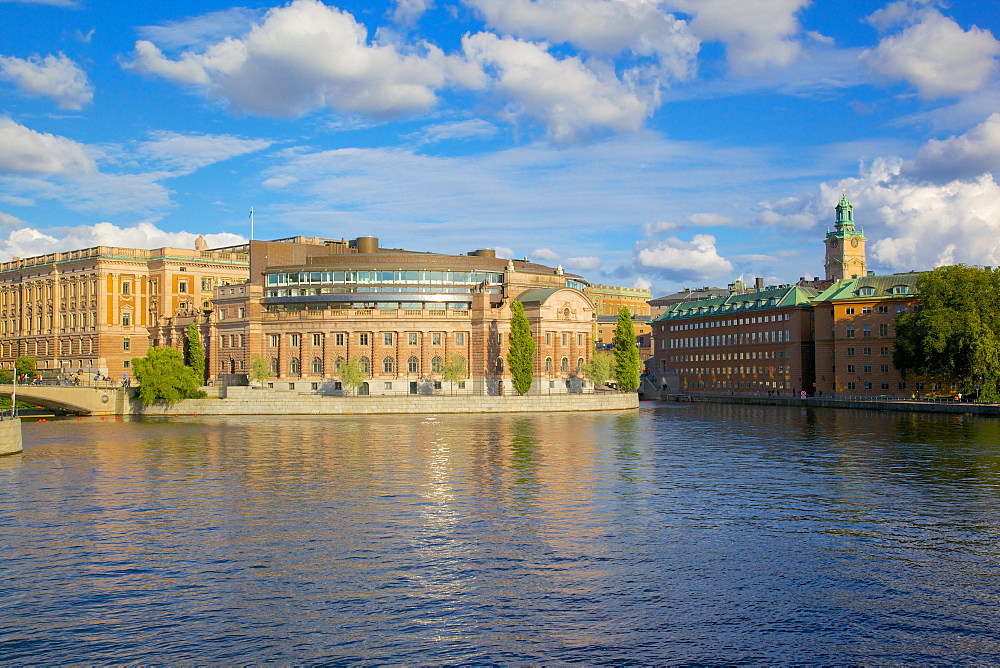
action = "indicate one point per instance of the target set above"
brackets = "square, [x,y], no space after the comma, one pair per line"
[758,283]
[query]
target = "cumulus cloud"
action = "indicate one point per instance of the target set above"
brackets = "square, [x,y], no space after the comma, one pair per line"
[29,241]
[187,153]
[972,154]
[676,259]
[545,255]
[301,57]
[7,220]
[606,27]
[194,31]
[28,152]
[55,77]
[408,12]
[932,53]
[569,99]
[757,35]
[586,263]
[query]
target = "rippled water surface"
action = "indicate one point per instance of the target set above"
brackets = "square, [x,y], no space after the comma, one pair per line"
[674,534]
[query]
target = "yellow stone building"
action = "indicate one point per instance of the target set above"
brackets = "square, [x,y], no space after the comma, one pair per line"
[91,309]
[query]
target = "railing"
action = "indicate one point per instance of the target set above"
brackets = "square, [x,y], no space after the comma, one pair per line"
[363,313]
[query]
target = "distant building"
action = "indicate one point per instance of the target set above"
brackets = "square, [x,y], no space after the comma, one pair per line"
[608,300]
[845,246]
[92,309]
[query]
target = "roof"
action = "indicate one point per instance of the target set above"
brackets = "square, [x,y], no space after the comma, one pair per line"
[536,296]
[689,294]
[755,300]
[871,287]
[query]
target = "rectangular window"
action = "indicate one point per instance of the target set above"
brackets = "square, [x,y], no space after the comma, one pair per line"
[850,368]
[851,385]
[338,339]
[387,386]
[317,340]
[182,286]
[849,310]
[126,319]
[884,368]
[866,331]
[868,386]
[850,331]
[866,309]
[206,285]
[459,338]
[222,314]
[436,338]
[273,340]
[868,368]
[565,339]
[363,339]
[295,340]
[242,312]
[387,338]
[548,338]
[901,385]
[866,352]
[126,344]
[883,330]
[126,288]
[579,338]
[883,309]
[920,387]
[850,352]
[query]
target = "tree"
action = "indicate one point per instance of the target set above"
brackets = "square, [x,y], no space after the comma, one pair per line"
[163,377]
[521,352]
[351,375]
[626,371]
[454,370]
[260,369]
[26,365]
[194,355]
[955,333]
[599,369]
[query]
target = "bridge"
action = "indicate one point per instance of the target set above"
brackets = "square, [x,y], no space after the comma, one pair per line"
[103,399]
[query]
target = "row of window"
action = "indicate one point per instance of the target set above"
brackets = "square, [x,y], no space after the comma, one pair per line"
[866,331]
[428,277]
[868,309]
[866,352]
[865,368]
[363,339]
[703,324]
[720,357]
[388,365]
[901,385]
[742,338]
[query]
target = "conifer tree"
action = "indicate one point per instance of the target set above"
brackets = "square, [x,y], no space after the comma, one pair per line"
[195,353]
[521,352]
[627,363]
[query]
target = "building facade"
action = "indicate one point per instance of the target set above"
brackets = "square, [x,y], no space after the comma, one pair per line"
[746,343]
[92,309]
[404,316]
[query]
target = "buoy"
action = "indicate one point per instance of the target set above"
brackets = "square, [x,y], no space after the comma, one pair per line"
[117,418]
[78,419]
[176,415]
[42,420]
[196,415]
[102,418]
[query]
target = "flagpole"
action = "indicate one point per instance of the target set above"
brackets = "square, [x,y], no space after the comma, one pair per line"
[251,223]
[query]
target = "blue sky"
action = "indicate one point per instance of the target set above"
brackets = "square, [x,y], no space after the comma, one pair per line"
[651,143]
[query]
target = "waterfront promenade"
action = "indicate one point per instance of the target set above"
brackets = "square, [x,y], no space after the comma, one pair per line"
[876,403]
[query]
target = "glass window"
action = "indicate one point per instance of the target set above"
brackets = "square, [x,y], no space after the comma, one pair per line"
[436,338]
[363,339]
[317,365]
[436,365]
[388,365]
[413,365]
[459,338]
[412,338]
[387,338]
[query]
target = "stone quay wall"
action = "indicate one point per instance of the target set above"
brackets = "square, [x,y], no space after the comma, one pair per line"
[952,407]
[258,401]
[10,436]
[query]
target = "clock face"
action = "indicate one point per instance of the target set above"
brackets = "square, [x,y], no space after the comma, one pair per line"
[854,241]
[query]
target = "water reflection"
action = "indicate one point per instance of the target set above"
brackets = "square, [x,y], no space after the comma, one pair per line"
[676,534]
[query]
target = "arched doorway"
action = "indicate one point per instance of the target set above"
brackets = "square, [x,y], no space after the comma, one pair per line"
[363,390]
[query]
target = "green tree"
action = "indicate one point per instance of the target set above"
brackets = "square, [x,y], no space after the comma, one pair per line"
[26,365]
[521,352]
[955,334]
[351,375]
[194,353]
[626,371]
[454,370]
[163,377]
[599,369]
[260,369]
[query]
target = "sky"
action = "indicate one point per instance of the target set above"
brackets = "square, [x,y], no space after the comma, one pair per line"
[659,144]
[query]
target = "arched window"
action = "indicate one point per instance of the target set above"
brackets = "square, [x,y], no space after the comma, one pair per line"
[274,365]
[338,365]
[388,365]
[548,365]
[499,365]
[293,366]
[579,365]
[317,366]
[564,365]
[365,365]
[413,365]
[436,365]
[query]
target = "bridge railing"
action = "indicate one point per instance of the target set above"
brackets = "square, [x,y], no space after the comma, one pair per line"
[72,381]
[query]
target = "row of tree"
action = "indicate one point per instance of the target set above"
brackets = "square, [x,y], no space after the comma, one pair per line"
[166,375]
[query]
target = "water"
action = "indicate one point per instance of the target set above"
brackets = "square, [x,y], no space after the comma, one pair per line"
[681,533]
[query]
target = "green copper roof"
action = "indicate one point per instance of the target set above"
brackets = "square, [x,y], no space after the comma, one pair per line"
[536,296]
[754,300]
[892,285]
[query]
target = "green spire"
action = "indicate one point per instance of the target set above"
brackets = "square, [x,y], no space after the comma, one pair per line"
[845,214]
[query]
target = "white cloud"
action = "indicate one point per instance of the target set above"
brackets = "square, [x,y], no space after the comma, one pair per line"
[190,152]
[408,12]
[678,259]
[28,152]
[54,77]
[198,30]
[933,53]
[474,128]
[586,263]
[504,252]
[662,227]
[53,3]
[973,154]
[306,56]
[569,99]
[709,219]
[28,241]
[757,35]
[7,220]
[642,283]
[607,27]
[545,255]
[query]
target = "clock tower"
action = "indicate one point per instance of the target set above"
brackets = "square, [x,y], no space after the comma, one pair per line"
[845,246]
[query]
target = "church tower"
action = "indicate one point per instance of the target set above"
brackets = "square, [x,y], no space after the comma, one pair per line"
[845,246]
